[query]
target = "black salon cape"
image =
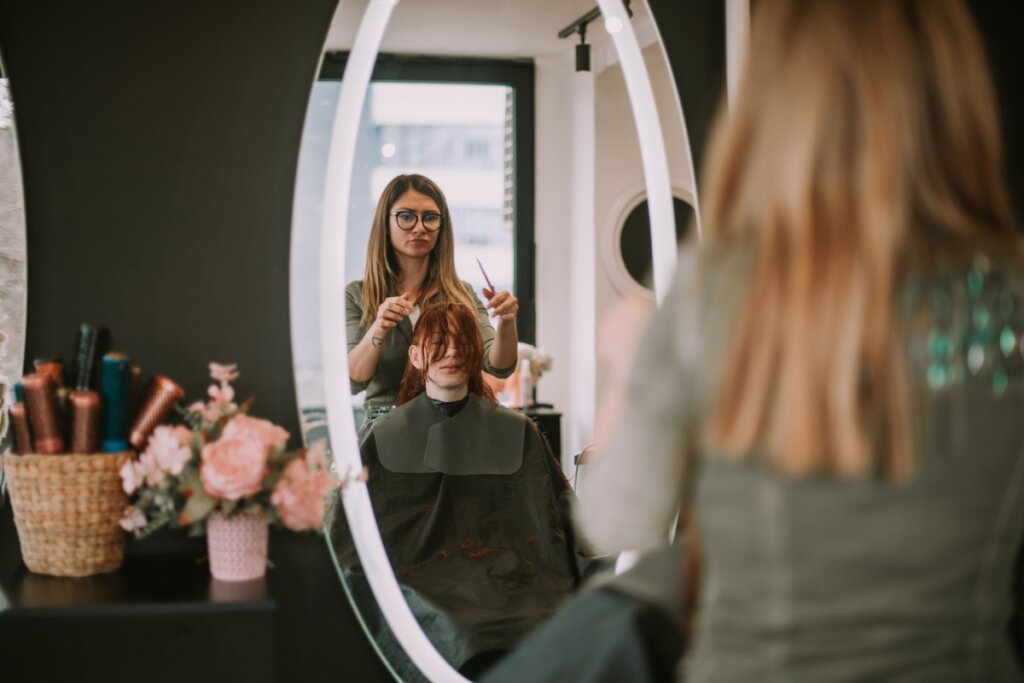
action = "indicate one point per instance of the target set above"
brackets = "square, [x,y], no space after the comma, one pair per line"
[474,512]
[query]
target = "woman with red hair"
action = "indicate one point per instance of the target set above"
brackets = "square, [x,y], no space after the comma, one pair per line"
[471,504]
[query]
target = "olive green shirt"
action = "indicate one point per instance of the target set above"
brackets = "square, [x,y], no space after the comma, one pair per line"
[382,388]
[819,578]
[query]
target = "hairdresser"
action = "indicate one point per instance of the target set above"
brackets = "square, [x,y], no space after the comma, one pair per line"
[410,262]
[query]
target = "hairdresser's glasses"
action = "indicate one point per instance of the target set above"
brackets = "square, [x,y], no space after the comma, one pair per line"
[407,220]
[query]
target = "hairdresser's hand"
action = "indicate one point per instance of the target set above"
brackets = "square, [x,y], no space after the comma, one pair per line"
[503,305]
[390,313]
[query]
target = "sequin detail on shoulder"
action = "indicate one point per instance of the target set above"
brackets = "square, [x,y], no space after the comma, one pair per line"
[975,321]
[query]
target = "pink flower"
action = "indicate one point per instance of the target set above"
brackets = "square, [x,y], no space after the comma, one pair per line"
[132,519]
[168,447]
[267,432]
[151,469]
[209,413]
[221,395]
[234,466]
[299,496]
[212,412]
[132,476]
[182,434]
[224,373]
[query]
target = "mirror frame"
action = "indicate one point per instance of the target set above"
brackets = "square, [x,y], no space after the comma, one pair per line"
[355,495]
[13,247]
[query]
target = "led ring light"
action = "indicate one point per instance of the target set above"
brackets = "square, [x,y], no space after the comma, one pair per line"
[337,184]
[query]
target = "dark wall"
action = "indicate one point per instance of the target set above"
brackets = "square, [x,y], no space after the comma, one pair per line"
[1000,26]
[694,36]
[693,32]
[159,144]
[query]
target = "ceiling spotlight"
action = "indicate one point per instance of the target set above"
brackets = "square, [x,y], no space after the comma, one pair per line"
[613,25]
[583,50]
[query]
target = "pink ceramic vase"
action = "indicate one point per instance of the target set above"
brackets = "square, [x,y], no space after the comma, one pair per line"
[237,546]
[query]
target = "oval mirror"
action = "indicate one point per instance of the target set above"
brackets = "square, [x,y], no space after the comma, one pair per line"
[484,99]
[12,263]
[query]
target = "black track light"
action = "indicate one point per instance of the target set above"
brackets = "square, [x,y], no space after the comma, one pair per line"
[583,50]
[580,26]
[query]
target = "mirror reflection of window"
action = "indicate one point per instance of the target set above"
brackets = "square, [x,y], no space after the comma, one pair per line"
[462,136]
[455,134]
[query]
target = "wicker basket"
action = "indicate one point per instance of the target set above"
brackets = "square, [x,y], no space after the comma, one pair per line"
[67,509]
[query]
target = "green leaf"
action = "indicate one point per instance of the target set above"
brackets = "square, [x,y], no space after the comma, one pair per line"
[279,457]
[197,442]
[228,506]
[158,521]
[197,507]
[251,507]
[190,481]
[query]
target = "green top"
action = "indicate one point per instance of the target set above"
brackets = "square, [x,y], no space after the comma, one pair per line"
[382,388]
[825,579]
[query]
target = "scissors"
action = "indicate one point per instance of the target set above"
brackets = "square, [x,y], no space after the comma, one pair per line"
[487,279]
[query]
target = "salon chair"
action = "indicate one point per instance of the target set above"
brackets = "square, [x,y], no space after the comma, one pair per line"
[549,422]
[622,628]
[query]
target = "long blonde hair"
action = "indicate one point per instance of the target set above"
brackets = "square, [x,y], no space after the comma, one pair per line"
[382,272]
[864,143]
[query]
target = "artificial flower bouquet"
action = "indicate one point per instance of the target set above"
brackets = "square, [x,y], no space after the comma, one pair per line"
[538,361]
[533,363]
[224,461]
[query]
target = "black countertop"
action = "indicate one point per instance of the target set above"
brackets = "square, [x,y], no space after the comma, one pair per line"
[161,617]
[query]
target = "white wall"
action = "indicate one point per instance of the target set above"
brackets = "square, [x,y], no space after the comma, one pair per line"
[619,172]
[618,177]
[552,234]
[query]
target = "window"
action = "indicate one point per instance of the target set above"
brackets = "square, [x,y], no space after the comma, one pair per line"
[466,124]
[427,128]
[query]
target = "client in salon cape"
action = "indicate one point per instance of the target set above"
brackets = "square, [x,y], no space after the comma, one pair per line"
[472,505]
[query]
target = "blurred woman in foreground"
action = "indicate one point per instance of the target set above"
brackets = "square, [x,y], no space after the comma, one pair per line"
[836,382]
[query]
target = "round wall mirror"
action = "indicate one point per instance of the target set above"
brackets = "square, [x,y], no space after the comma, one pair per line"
[629,261]
[360,132]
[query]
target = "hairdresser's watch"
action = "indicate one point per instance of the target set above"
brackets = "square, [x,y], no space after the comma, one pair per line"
[377,341]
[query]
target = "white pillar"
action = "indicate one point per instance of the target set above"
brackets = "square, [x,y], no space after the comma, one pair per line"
[582,267]
[552,236]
